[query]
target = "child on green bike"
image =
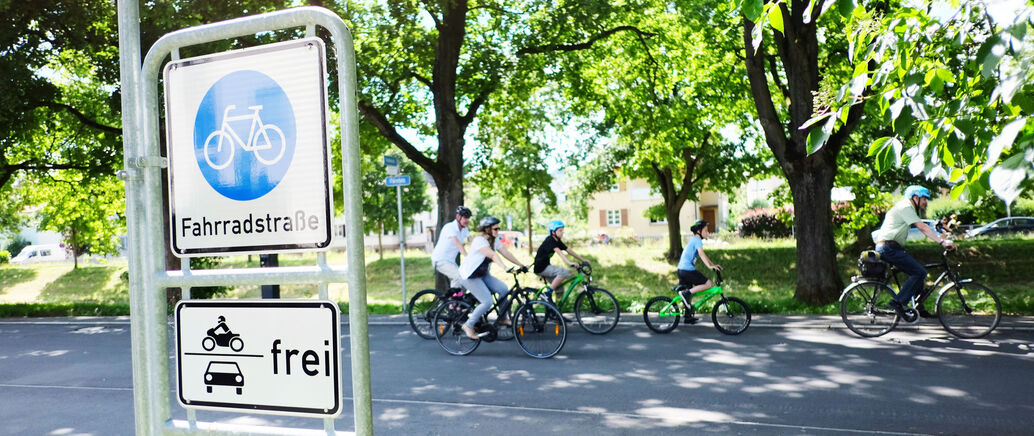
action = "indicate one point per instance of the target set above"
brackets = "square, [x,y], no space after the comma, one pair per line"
[554,244]
[689,277]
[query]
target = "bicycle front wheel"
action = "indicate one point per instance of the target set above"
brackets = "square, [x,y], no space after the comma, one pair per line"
[597,311]
[661,315]
[539,328]
[864,309]
[448,322]
[969,310]
[421,312]
[731,315]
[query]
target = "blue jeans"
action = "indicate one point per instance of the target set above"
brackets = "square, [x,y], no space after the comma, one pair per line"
[897,256]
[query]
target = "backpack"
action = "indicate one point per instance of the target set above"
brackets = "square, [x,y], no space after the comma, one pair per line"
[871,266]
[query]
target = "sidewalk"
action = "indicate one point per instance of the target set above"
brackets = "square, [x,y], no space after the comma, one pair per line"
[761,320]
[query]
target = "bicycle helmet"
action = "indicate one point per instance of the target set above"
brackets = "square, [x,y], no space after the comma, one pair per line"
[463,211]
[553,225]
[695,228]
[916,190]
[487,222]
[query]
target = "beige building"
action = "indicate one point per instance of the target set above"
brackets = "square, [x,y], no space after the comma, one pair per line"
[620,210]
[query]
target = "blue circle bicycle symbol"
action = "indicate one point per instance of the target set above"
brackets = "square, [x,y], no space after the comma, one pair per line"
[244,135]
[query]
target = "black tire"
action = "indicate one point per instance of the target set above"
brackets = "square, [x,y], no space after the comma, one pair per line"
[421,312]
[208,343]
[597,311]
[864,309]
[447,323]
[540,329]
[969,310]
[731,315]
[661,315]
[236,344]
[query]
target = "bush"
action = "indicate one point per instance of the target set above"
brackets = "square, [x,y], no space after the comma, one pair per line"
[4,257]
[17,245]
[762,223]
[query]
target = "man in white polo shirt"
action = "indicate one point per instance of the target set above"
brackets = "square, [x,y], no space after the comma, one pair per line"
[450,244]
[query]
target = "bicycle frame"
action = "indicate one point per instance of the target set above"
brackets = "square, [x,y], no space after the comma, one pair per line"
[578,279]
[706,295]
[947,276]
[256,126]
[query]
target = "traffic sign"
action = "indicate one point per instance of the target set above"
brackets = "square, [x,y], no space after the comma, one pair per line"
[391,161]
[279,357]
[249,166]
[397,181]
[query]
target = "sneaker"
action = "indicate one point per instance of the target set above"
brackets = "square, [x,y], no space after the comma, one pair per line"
[690,319]
[923,313]
[898,307]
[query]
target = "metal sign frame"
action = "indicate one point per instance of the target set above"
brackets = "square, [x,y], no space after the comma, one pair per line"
[148,277]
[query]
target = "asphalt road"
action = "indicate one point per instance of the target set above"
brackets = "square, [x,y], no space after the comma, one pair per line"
[783,376]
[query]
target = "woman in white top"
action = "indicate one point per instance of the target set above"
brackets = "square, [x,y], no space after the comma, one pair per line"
[474,272]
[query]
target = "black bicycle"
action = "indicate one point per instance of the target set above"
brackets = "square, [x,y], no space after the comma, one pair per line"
[965,308]
[536,324]
[423,305]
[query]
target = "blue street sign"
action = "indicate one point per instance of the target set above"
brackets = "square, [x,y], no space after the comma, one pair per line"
[397,181]
[391,161]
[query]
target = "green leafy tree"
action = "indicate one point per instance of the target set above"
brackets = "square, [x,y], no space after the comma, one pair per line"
[785,62]
[511,161]
[89,213]
[952,79]
[380,203]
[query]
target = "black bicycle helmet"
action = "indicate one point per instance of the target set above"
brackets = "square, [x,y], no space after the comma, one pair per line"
[487,222]
[700,224]
[463,211]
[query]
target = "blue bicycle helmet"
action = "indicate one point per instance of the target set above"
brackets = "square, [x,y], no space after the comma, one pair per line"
[553,225]
[916,190]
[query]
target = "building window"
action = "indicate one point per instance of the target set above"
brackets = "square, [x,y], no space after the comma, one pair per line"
[614,218]
[660,221]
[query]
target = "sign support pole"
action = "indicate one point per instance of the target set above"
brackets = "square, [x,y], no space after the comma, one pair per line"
[402,246]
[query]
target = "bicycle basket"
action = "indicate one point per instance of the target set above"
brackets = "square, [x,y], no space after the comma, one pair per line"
[871,266]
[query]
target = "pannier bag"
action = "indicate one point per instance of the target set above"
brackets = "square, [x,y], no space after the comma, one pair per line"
[871,266]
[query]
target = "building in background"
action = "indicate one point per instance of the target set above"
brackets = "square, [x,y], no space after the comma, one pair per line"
[620,211]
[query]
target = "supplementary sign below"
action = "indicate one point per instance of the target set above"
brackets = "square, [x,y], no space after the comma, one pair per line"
[278,357]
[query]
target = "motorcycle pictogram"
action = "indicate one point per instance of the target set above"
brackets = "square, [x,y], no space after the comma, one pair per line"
[224,339]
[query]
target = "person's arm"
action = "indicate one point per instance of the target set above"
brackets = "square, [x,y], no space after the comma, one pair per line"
[506,253]
[563,257]
[707,261]
[571,252]
[926,230]
[459,245]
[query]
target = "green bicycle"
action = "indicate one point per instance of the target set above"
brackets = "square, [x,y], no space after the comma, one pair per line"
[595,309]
[730,314]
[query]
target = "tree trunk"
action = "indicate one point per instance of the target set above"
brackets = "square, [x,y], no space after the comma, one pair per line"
[672,210]
[380,243]
[818,277]
[75,249]
[527,203]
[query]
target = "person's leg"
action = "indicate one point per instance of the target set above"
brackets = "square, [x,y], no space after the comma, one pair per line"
[450,270]
[898,257]
[559,275]
[499,288]
[480,291]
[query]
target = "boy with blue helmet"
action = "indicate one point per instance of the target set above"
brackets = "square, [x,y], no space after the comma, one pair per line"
[890,242]
[554,244]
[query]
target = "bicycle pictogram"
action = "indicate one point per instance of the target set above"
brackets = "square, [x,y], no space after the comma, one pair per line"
[263,140]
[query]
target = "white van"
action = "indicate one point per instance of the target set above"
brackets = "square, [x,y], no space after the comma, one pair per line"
[40,253]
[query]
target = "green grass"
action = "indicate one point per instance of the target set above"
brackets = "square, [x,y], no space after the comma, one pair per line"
[761,272]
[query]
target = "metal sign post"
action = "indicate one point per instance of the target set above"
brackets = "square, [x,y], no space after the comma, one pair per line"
[398,182]
[148,277]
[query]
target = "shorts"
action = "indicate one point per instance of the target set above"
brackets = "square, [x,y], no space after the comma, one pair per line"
[450,270]
[552,272]
[691,277]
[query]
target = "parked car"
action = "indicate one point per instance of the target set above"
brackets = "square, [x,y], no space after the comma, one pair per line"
[1004,226]
[915,235]
[40,253]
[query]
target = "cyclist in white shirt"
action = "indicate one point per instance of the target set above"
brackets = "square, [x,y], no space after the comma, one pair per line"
[474,272]
[450,244]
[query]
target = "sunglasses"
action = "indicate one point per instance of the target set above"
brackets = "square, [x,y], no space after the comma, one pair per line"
[494,229]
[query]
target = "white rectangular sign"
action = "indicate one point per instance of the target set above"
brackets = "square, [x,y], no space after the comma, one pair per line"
[249,167]
[280,357]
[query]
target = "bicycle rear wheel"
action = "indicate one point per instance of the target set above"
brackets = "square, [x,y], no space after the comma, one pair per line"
[661,315]
[864,309]
[448,322]
[421,312]
[540,329]
[731,315]
[969,310]
[597,310]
